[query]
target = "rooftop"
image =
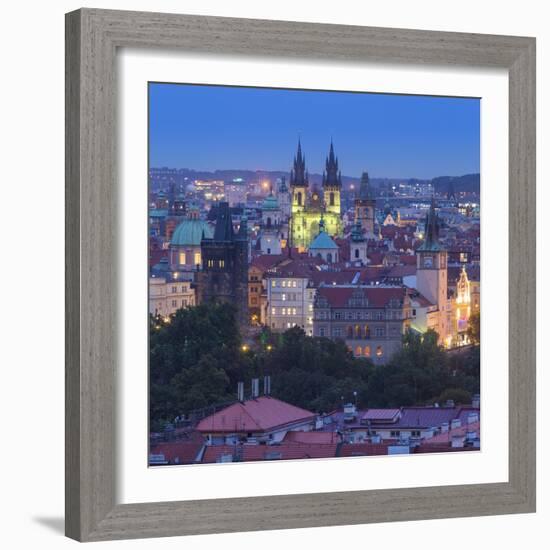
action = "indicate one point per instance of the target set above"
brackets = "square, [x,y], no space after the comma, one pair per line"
[256,415]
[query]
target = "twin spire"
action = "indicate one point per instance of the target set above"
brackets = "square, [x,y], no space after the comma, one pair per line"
[299,176]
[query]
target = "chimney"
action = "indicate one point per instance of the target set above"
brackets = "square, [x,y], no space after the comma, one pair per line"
[267,385]
[457,441]
[240,391]
[255,388]
[455,423]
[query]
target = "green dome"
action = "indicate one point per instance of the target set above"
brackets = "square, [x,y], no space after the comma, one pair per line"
[270,203]
[189,233]
[323,241]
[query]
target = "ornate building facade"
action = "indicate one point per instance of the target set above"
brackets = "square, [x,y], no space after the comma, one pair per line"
[307,207]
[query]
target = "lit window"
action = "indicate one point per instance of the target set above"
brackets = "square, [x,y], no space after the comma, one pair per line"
[273,283]
[284,284]
[293,311]
[294,284]
[283,311]
[197,258]
[367,351]
[379,351]
[358,351]
[283,297]
[273,311]
[182,258]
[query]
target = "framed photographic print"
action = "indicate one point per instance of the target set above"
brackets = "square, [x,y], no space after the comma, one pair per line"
[280,240]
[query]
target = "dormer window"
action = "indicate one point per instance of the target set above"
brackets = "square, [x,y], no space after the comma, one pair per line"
[428,261]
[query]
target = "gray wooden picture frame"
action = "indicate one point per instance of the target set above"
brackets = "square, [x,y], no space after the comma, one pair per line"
[92,39]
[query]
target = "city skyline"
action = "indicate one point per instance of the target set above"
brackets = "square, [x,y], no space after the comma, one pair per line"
[387,135]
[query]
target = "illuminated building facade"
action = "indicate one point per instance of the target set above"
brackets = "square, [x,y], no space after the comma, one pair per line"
[307,207]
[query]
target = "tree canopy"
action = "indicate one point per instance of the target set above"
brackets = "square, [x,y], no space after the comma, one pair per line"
[197,356]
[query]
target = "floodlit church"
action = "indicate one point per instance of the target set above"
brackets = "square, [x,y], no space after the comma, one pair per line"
[309,206]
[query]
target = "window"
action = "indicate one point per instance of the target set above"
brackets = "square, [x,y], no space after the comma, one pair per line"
[174,289]
[283,311]
[174,303]
[379,351]
[367,331]
[395,433]
[357,253]
[273,283]
[337,332]
[294,284]
[367,351]
[273,311]
[284,284]
[293,311]
[379,332]
[222,263]
[197,258]
[283,297]
[182,258]
[428,261]
[415,433]
[331,199]
[358,351]
[338,315]
[321,331]
[184,303]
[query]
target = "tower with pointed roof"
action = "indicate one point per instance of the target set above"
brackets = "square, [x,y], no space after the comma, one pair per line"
[308,206]
[224,273]
[299,181]
[431,271]
[365,206]
[332,182]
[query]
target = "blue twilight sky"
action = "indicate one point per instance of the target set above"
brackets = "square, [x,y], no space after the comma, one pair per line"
[222,127]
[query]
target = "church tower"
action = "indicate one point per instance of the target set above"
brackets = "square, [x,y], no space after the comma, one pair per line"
[365,206]
[431,270]
[332,183]
[298,181]
[358,245]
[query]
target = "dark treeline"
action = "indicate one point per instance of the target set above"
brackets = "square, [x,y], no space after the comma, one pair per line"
[197,357]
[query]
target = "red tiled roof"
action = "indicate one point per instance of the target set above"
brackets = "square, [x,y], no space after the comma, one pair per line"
[407,259]
[377,296]
[447,436]
[178,452]
[363,449]
[284,451]
[256,415]
[312,437]
[267,261]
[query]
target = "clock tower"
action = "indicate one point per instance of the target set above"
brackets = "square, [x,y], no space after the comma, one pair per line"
[431,270]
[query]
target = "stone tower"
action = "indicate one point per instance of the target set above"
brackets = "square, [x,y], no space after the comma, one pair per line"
[431,270]
[224,274]
[365,206]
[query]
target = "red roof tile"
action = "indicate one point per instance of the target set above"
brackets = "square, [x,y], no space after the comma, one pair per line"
[253,416]
[363,449]
[178,452]
[312,437]
[284,451]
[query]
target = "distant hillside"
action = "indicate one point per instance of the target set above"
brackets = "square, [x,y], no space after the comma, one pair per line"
[467,183]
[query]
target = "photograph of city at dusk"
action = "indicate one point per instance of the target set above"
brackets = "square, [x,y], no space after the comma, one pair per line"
[314,274]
